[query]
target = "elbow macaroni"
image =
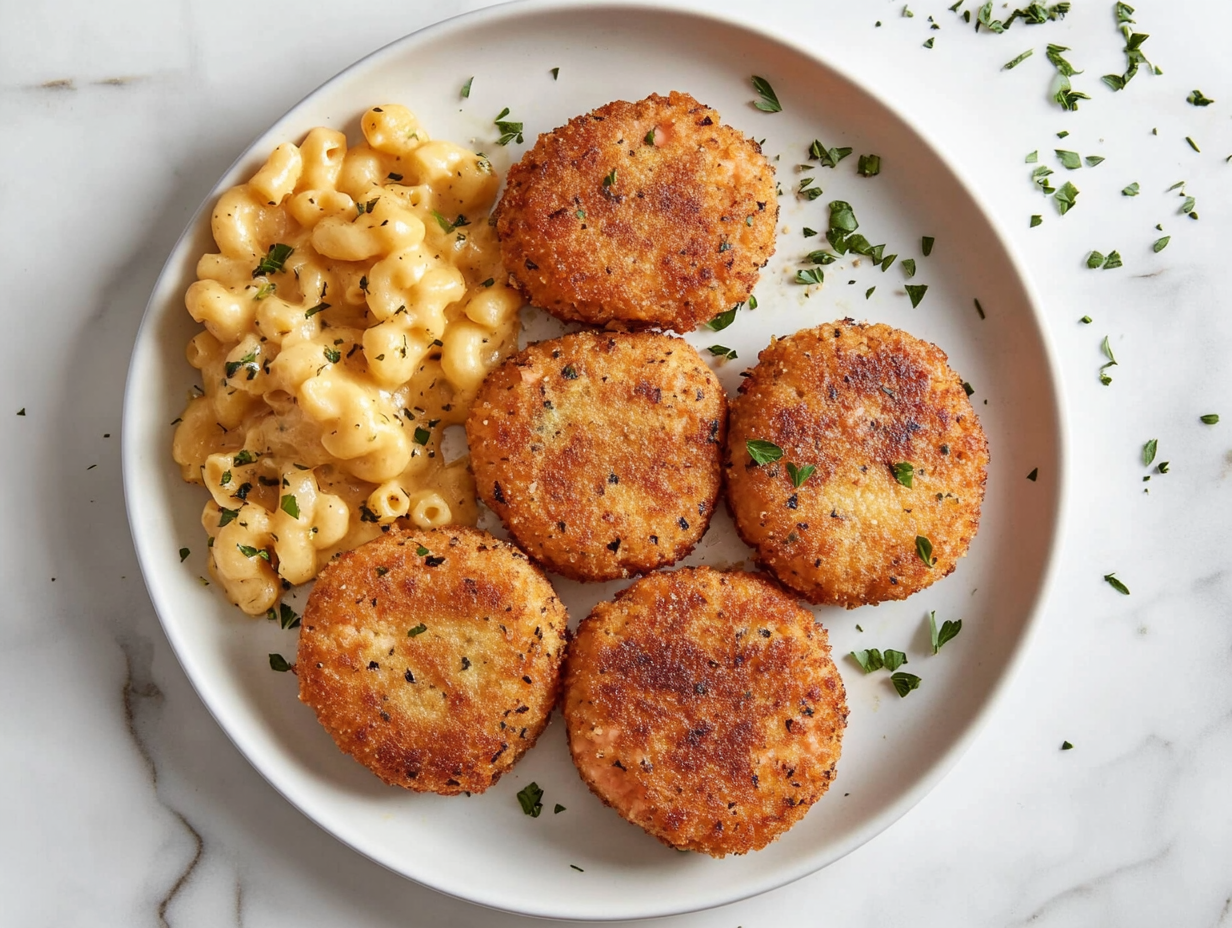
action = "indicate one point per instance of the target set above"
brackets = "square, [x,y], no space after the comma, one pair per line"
[355,304]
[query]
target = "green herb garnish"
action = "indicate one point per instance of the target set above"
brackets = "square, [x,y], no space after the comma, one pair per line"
[319,308]
[1112,362]
[422,436]
[1161,244]
[904,473]
[812,275]
[1116,584]
[723,320]
[1148,451]
[1093,160]
[908,267]
[1130,191]
[869,165]
[1192,144]
[893,659]
[1066,746]
[417,630]
[250,551]
[904,682]
[530,797]
[762,451]
[800,473]
[916,293]
[869,660]
[1198,98]
[510,131]
[279,663]
[1211,418]
[829,157]
[1034,475]
[1036,220]
[926,245]
[1068,159]
[769,102]
[924,548]
[332,355]
[274,259]
[1067,194]
[947,632]
[1010,65]
[720,351]
[184,552]
[466,88]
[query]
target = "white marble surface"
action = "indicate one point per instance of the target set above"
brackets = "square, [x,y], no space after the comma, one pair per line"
[124,803]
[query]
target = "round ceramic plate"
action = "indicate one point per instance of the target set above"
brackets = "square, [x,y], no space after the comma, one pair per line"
[586,862]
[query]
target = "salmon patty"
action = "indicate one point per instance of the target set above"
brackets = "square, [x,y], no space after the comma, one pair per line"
[601,452]
[433,657]
[639,214]
[872,466]
[704,707]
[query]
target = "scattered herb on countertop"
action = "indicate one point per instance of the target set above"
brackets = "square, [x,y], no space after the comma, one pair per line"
[1066,746]
[1161,244]
[1104,378]
[184,552]
[1193,144]
[1198,98]
[1067,98]
[908,267]
[466,88]
[1148,451]
[1116,584]
[926,245]
[1010,65]
[1036,219]
[869,660]
[1211,418]
[1093,160]
[1068,159]
[1065,197]
[1130,191]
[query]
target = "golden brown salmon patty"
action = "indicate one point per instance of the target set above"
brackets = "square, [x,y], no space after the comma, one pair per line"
[433,657]
[603,222]
[898,463]
[704,706]
[601,452]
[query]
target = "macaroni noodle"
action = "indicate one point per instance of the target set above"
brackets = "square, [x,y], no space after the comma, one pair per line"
[355,304]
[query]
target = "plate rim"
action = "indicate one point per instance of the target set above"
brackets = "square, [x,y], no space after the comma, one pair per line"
[945,762]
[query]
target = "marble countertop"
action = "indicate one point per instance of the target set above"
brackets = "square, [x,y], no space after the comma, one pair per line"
[125,804]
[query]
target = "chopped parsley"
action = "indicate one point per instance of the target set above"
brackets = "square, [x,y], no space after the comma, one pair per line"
[947,632]
[800,473]
[1066,195]
[916,292]
[530,797]
[869,660]
[417,630]
[1211,418]
[1032,157]
[1161,244]
[184,552]
[555,73]
[1148,451]
[1067,98]
[723,319]
[1192,144]
[422,435]
[1104,378]
[1086,320]
[448,226]
[332,355]
[926,245]
[466,88]
[893,659]
[829,157]
[559,809]
[720,351]
[1198,98]
[1133,50]
[1116,584]
[908,267]
[869,165]
[248,361]
[1066,746]
[904,473]
[226,515]
[509,131]
[319,308]
[924,548]
[1093,160]
[289,505]
[266,288]
[1068,159]
[274,260]
[1034,475]
[1036,219]
[650,136]
[243,457]
[250,551]
[421,551]
[769,102]
[279,663]
[904,682]
[1010,65]
[762,451]
[812,275]
[1130,191]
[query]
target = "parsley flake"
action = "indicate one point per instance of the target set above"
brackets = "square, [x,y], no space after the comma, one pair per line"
[904,473]
[1069,159]
[1211,418]
[422,435]
[1034,475]
[812,275]
[1116,584]
[720,351]
[1130,191]
[274,259]
[509,131]
[1066,746]
[947,632]
[279,663]
[1198,98]
[800,473]
[184,552]
[723,320]
[1010,65]
[1066,195]
[530,797]
[762,451]
[904,682]
[417,630]
[1161,244]
[869,660]
[908,267]
[869,165]
[1104,378]
[926,245]
[1036,219]
[1193,144]
[1148,451]
[924,548]
[290,506]
[829,157]
[466,88]
[769,102]
[916,293]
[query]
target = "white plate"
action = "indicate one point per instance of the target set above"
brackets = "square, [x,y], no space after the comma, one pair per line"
[483,848]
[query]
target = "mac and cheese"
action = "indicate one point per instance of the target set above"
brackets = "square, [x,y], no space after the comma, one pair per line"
[355,304]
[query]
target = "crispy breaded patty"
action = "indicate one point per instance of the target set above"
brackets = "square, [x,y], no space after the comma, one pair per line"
[704,706]
[601,224]
[898,456]
[433,657]
[601,452]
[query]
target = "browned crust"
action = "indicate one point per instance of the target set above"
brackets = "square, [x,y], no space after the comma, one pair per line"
[704,707]
[601,452]
[853,400]
[452,708]
[680,236]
